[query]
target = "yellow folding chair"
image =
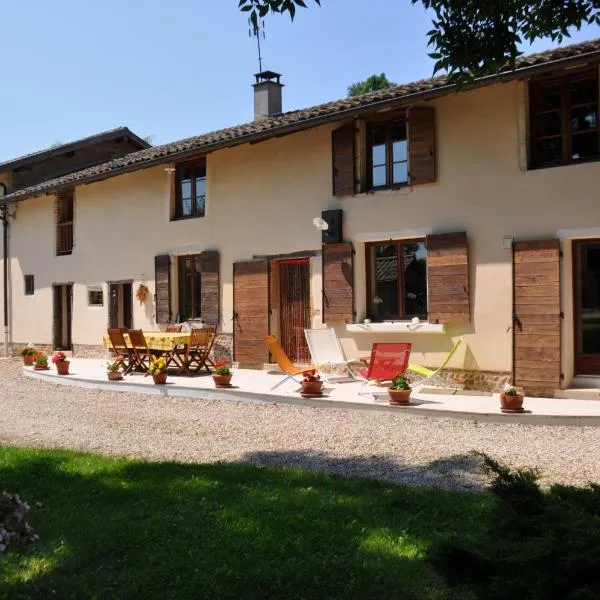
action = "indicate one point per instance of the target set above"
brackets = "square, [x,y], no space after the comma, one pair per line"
[429,374]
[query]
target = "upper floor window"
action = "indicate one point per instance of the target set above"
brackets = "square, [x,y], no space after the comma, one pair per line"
[564,119]
[64,222]
[397,279]
[388,155]
[190,198]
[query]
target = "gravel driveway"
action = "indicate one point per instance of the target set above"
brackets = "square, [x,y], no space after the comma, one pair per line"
[399,448]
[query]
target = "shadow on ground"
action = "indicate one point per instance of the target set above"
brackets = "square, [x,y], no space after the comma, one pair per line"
[113,528]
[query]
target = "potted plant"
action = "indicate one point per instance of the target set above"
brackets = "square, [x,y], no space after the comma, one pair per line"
[61,362]
[511,398]
[113,369]
[222,374]
[312,385]
[28,352]
[158,370]
[40,361]
[400,391]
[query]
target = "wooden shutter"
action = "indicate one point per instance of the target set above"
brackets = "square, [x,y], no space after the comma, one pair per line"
[162,282]
[536,314]
[209,268]
[343,160]
[448,278]
[338,283]
[421,145]
[250,312]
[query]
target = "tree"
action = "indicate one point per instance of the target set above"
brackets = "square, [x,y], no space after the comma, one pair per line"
[372,83]
[471,38]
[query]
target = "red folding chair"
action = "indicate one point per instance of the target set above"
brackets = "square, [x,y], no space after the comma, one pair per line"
[388,359]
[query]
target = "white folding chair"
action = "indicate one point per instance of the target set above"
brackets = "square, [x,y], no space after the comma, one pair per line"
[326,351]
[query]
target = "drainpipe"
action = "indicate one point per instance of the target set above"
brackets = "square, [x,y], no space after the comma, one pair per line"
[4,217]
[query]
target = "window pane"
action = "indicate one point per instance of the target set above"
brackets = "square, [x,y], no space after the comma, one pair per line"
[197,288]
[200,196]
[378,135]
[549,151]
[378,155]
[384,285]
[584,91]
[583,118]
[400,173]
[398,131]
[548,124]
[585,145]
[379,176]
[415,279]
[549,98]
[399,150]
[186,197]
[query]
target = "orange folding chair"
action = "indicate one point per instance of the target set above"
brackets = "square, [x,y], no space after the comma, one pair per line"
[388,359]
[285,364]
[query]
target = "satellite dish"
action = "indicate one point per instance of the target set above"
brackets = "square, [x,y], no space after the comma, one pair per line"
[321,224]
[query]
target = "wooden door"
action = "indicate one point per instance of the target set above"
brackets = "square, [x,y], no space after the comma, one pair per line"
[120,305]
[537,316]
[294,282]
[586,301]
[250,312]
[127,295]
[62,316]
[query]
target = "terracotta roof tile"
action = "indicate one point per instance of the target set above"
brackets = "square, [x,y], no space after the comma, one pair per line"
[296,120]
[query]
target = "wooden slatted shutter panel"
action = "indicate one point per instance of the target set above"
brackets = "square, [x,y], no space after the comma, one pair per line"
[448,278]
[209,268]
[162,282]
[338,283]
[537,316]
[343,160]
[421,145]
[250,312]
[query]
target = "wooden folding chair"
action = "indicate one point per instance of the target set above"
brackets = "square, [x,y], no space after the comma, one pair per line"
[174,328]
[120,348]
[285,364]
[388,359]
[141,352]
[197,351]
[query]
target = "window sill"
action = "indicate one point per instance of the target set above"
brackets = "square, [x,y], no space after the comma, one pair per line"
[396,327]
[187,218]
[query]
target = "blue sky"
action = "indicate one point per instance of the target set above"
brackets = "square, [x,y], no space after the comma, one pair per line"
[181,68]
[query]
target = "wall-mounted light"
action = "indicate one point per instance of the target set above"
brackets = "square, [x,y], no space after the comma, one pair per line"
[507,242]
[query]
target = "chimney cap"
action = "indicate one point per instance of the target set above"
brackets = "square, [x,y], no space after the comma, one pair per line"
[265,76]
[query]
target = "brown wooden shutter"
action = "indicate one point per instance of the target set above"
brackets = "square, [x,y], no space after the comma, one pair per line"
[338,283]
[162,282]
[536,314]
[421,145]
[250,312]
[448,278]
[343,160]
[209,268]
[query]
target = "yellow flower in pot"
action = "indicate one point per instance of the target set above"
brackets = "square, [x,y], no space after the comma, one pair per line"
[158,370]
[28,353]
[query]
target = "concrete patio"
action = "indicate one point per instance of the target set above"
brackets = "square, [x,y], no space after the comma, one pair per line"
[253,386]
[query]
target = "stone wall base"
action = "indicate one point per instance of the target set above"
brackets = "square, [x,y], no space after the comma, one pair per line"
[483,381]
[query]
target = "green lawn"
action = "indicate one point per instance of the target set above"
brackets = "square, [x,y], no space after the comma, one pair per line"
[115,528]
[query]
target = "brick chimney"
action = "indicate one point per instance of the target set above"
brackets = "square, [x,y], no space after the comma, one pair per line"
[267,95]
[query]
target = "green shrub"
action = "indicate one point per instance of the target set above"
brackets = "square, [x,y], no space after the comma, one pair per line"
[536,546]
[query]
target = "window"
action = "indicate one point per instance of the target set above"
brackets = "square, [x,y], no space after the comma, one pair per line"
[95,296]
[564,119]
[64,222]
[29,285]
[397,279]
[388,155]
[190,287]
[190,198]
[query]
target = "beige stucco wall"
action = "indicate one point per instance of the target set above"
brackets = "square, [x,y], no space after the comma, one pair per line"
[261,200]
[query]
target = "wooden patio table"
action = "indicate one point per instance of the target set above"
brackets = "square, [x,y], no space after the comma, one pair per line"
[158,340]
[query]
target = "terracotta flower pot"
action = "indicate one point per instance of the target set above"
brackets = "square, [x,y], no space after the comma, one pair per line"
[115,376]
[62,367]
[222,380]
[28,360]
[160,378]
[511,402]
[399,396]
[42,367]
[312,388]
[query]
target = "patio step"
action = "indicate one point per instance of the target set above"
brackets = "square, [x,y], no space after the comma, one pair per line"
[578,394]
